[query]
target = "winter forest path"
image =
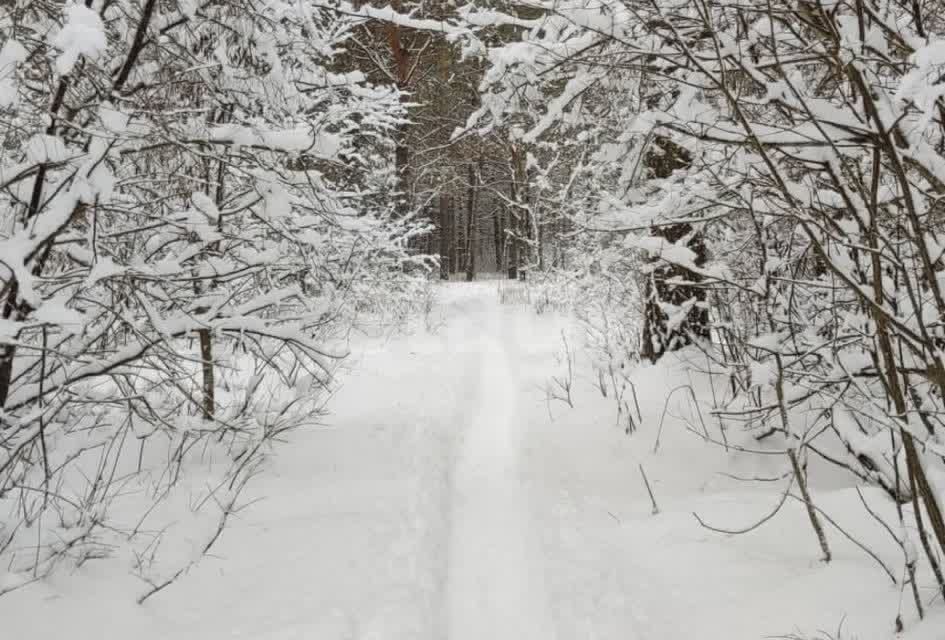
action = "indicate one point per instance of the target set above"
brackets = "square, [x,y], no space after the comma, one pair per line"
[495,582]
[406,515]
[445,498]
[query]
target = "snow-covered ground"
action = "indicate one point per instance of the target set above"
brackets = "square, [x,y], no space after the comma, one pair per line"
[446,498]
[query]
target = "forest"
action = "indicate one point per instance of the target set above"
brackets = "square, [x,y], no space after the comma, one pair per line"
[525,319]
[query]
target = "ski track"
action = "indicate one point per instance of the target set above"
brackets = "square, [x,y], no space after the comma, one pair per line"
[495,586]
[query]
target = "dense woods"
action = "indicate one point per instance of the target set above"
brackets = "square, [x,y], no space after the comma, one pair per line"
[778,175]
[199,199]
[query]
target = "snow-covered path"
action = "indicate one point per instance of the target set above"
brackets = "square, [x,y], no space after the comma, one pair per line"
[444,499]
[405,517]
[495,581]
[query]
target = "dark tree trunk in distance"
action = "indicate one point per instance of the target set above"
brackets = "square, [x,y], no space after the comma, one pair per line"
[511,233]
[455,228]
[471,230]
[446,238]
[662,285]
[498,236]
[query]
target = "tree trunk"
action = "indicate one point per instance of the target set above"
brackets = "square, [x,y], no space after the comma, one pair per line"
[669,284]
[461,239]
[401,142]
[9,350]
[799,473]
[511,234]
[520,221]
[558,248]
[455,228]
[498,235]
[471,230]
[526,228]
[209,384]
[446,237]
[402,168]
[206,338]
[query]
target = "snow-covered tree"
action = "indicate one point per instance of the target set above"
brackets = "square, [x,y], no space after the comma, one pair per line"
[777,169]
[191,215]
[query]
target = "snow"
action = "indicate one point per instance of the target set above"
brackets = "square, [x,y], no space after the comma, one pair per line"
[112,119]
[11,54]
[300,139]
[43,148]
[495,586]
[83,34]
[446,497]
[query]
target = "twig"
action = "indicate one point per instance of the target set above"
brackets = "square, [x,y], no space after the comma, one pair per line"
[695,403]
[656,508]
[849,537]
[736,532]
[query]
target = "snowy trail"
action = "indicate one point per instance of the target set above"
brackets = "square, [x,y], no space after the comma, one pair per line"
[495,586]
[445,500]
[407,516]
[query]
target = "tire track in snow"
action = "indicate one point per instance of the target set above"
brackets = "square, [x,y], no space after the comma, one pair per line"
[495,588]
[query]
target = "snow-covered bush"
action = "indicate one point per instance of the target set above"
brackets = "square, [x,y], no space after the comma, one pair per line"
[189,220]
[777,172]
